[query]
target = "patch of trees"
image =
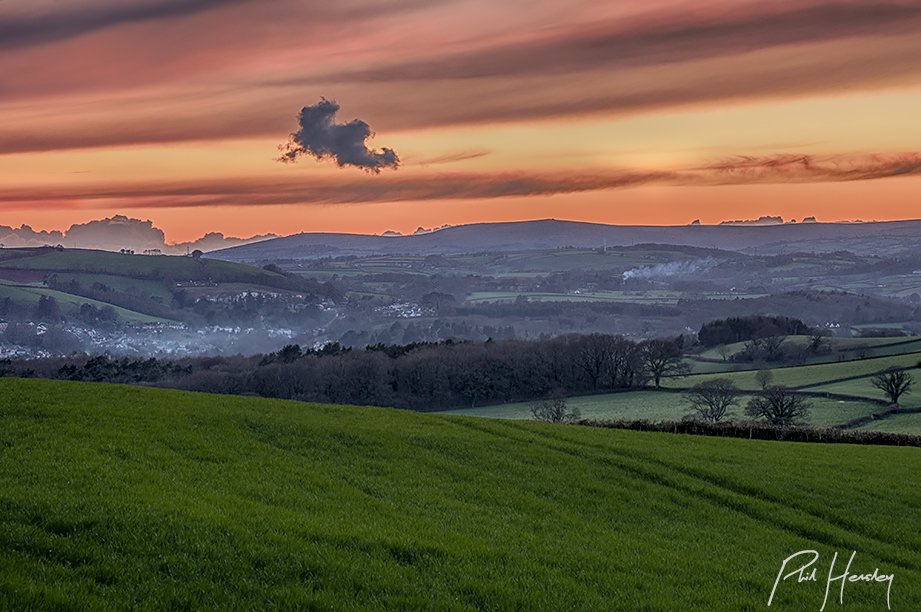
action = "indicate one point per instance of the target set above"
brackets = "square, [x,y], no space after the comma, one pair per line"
[420,376]
[755,327]
[104,369]
[712,401]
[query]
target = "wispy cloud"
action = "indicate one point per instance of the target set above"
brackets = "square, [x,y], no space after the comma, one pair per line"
[811,168]
[256,191]
[694,53]
[661,37]
[450,158]
[75,19]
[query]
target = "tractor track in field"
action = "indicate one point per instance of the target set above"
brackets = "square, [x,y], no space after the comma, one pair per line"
[734,497]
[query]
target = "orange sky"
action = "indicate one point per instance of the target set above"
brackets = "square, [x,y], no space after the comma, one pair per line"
[612,112]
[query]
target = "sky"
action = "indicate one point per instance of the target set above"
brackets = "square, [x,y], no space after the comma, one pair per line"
[256,116]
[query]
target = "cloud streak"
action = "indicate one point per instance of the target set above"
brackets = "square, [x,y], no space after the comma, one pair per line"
[660,38]
[18,31]
[256,191]
[703,54]
[319,136]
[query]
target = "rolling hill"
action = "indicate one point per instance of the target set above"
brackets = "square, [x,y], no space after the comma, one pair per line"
[124,497]
[139,288]
[552,234]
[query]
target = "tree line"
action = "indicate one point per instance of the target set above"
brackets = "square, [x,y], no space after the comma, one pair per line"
[420,376]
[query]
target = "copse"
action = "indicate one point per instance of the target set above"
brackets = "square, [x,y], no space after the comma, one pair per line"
[421,376]
[742,329]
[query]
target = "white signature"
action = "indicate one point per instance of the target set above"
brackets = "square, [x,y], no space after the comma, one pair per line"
[805,570]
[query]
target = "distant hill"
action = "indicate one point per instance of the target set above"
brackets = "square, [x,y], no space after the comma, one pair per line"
[892,236]
[120,497]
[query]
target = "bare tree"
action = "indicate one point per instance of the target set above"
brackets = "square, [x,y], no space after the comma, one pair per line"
[818,339]
[772,347]
[778,405]
[662,358]
[594,356]
[711,400]
[724,352]
[554,410]
[894,382]
[764,378]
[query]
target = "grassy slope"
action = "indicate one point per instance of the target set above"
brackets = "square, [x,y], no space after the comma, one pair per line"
[132,497]
[139,275]
[70,304]
[139,266]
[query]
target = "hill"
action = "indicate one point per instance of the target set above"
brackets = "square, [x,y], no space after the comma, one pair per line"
[123,497]
[553,234]
[139,288]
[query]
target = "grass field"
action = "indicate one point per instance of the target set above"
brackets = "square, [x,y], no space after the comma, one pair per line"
[124,284]
[120,497]
[807,375]
[136,266]
[622,297]
[666,406]
[898,423]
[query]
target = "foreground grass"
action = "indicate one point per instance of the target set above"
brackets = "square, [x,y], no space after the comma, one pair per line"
[126,497]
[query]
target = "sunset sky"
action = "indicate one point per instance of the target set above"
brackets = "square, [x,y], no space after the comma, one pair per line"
[654,112]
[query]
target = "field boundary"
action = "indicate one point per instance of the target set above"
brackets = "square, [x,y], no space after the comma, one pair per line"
[761,431]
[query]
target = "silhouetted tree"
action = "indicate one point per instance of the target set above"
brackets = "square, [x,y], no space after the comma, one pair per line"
[711,400]
[894,382]
[779,406]
[554,410]
[662,358]
[764,377]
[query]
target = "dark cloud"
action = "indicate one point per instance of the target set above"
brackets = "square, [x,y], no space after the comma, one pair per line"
[44,27]
[319,136]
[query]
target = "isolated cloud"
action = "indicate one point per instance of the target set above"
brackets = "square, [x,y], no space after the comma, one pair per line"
[320,137]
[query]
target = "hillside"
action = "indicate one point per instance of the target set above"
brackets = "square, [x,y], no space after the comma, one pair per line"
[139,288]
[127,497]
[553,234]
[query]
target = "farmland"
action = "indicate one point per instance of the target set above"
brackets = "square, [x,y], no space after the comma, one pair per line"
[839,392]
[127,497]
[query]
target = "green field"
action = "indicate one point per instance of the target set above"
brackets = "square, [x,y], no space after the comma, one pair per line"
[621,297]
[140,282]
[809,375]
[666,406]
[135,266]
[124,284]
[70,304]
[898,423]
[121,497]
